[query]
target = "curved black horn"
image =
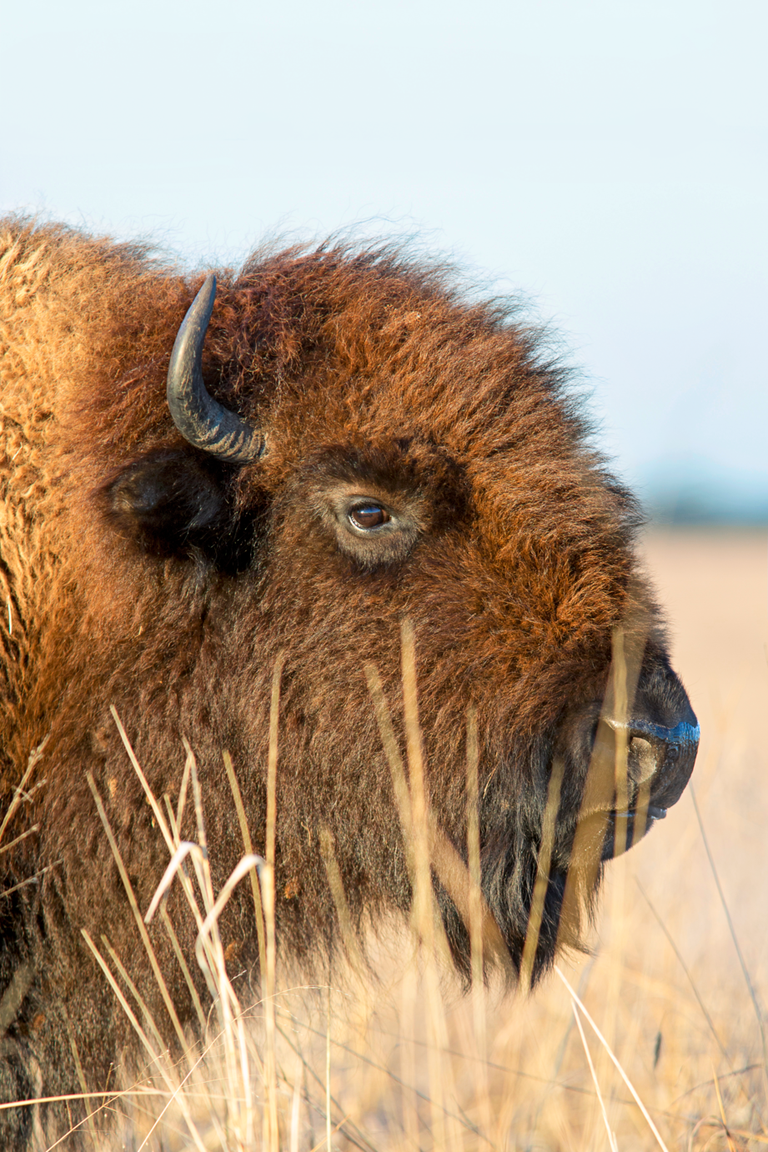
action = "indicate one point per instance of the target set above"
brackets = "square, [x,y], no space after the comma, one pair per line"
[199,418]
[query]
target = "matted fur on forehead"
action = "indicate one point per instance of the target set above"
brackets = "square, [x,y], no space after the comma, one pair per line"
[372,341]
[373,336]
[333,346]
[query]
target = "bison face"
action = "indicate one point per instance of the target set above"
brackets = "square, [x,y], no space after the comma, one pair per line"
[487,526]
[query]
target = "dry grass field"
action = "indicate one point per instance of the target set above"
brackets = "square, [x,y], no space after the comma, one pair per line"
[676,981]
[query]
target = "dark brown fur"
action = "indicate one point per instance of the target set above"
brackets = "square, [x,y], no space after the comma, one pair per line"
[362,367]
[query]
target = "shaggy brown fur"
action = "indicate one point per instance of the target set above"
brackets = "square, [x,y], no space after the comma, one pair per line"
[135,572]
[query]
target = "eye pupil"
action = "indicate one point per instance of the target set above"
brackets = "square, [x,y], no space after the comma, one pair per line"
[368,516]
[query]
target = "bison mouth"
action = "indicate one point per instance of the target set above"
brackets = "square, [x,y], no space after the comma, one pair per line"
[625,828]
[608,783]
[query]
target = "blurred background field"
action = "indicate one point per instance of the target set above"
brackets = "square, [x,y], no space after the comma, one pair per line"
[676,978]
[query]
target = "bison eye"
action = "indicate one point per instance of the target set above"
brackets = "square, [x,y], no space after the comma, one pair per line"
[374,530]
[368,516]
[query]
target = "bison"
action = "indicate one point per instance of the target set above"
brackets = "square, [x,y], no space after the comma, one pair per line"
[289,475]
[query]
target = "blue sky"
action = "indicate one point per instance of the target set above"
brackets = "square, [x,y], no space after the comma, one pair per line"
[606,158]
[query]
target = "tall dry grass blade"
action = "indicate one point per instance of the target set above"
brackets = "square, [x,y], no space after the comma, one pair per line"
[245,832]
[307,1097]
[476,918]
[19,794]
[149,1022]
[428,842]
[606,773]
[172,823]
[175,868]
[451,870]
[80,1073]
[18,839]
[642,801]
[392,751]
[408,1052]
[190,772]
[155,1057]
[197,799]
[213,950]
[423,900]
[328,1068]
[473,852]
[210,949]
[548,827]
[156,809]
[591,829]
[241,869]
[732,930]
[202,839]
[611,1137]
[404,802]
[185,778]
[422,895]
[185,848]
[352,1132]
[201,1017]
[453,874]
[550,1082]
[616,1063]
[621,738]
[341,904]
[427,847]
[29,880]
[64,1097]
[137,915]
[274,724]
[267,880]
[731,1145]
[296,1108]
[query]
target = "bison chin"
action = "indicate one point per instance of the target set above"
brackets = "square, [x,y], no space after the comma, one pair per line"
[608,781]
[509,880]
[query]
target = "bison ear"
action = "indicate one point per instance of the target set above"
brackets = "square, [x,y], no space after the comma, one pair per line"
[179,503]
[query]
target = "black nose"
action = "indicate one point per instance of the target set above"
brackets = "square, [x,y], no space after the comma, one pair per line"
[664,755]
[659,763]
[657,744]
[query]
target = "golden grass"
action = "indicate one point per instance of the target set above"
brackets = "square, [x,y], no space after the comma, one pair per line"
[655,1039]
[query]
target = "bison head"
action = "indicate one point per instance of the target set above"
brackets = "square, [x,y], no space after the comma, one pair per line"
[413,468]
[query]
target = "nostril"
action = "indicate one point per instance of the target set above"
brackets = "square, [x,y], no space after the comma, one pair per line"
[643,760]
[655,750]
[674,754]
[658,756]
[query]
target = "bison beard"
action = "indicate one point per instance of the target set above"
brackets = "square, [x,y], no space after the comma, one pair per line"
[349,452]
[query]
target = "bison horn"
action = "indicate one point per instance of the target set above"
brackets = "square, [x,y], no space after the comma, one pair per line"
[199,418]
